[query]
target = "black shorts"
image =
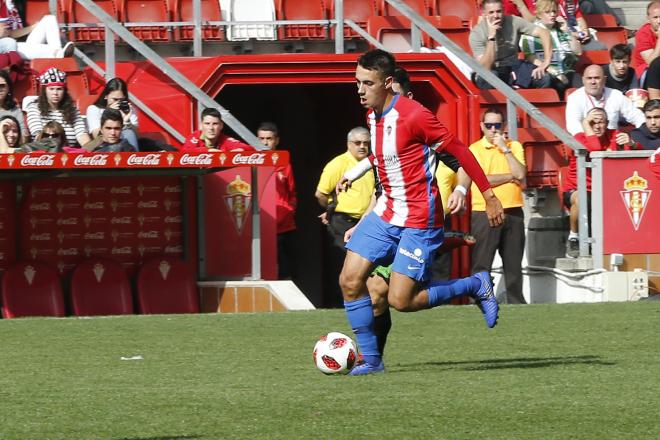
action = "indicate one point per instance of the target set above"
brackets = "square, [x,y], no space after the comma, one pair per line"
[566,198]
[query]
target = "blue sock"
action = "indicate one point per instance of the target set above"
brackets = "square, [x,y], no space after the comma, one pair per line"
[441,292]
[361,318]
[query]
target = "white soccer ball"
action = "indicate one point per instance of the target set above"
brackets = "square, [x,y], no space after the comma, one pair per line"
[335,353]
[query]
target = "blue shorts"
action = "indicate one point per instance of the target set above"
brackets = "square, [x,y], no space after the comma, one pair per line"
[409,250]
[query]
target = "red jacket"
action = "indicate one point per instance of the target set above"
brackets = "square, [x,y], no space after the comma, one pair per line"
[195,143]
[607,142]
[285,187]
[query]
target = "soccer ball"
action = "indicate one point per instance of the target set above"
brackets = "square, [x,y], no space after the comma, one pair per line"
[335,353]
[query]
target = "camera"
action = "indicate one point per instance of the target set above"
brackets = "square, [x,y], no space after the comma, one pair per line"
[124,107]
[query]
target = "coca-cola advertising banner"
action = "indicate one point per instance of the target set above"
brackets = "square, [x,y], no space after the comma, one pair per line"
[631,201]
[142,160]
[128,219]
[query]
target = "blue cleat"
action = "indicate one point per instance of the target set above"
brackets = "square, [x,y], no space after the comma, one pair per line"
[485,299]
[365,368]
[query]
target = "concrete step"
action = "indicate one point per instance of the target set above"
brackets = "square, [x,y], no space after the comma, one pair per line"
[632,13]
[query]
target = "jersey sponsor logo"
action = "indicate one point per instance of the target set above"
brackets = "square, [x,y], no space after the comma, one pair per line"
[415,255]
[43,160]
[391,160]
[149,159]
[95,160]
[252,159]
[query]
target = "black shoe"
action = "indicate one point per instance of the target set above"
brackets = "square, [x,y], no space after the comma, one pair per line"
[573,248]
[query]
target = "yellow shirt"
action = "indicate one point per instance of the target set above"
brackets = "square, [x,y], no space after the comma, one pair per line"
[446,178]
[493,161]
[356,199]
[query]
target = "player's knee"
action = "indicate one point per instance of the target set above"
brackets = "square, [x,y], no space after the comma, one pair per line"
[350,285]
[400,303]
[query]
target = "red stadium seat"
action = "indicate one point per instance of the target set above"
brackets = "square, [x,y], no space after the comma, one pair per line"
[301,10]
[167,285]
[548,102]
[78,14]
[36,9]
[357,10]
[31,289]
[100,287]
[76,80]
[393,32]
[134,11]
[422,7]
[590,57]
[544,159]
[599,21]
[466,9]
[492,98]
[612,36]
[84,101]
[210,11]
[453,28]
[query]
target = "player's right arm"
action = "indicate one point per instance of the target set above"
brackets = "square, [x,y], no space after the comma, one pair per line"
[355,173]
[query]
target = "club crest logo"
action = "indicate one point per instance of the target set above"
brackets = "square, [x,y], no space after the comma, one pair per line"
[237,200]
[170,159]
[164,269]
[64,159]
[274,158]
[222,157]
[29,273]
[98,270]
[636,198]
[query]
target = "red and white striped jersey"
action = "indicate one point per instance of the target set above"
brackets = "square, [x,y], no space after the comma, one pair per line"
[404,140]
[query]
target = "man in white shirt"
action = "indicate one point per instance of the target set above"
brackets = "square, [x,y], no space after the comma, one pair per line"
[595,94]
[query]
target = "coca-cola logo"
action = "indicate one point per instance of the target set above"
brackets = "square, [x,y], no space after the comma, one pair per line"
[173,219]
[149,159]
[69,251]
[148,204]
[94,205]
[199,159]
[44,236]
[43,160]
[95,160]
[45,206]
[126,250]
[67,191]
[173,249]
[120,190]
[252,159]
[67,221]
[172,189]
[148,234]
[121,220]
[94,236]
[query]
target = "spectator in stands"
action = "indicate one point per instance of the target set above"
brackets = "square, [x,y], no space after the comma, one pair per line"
[653,79]
[112,140]
[401,82]
[566,49]
[55,104]
[595,94]
[43,38]
[54,130]
[494,43]
[210,136]
[8,105]
[287,201]
[647,135]
[10,134]
[599,7]
[503,162]
[520,8]
[618,73]
[595,136]
[647,43]
[114,95]
[344,210]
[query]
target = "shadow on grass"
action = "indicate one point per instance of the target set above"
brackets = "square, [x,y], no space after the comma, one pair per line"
[163,437]
[500,364]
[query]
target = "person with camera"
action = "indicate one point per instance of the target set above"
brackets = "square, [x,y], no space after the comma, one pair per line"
[595,136]
[114,96]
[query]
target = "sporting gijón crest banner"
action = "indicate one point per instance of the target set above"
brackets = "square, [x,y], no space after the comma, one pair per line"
[631,207]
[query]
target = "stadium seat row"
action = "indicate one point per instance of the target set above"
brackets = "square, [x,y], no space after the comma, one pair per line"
[99,286]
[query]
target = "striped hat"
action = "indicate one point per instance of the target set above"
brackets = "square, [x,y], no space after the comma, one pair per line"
[52,77]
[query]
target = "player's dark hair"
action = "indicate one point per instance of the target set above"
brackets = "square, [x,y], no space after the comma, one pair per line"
[403,79]
[379,60]
[111,114]
[620,51]
[651,104]
[269,126]
[488,2]
[210,111]
[494,111]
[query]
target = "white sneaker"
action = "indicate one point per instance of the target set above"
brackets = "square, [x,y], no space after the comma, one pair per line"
[66,51]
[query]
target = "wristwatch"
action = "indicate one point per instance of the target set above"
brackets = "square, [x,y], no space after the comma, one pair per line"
[507,150]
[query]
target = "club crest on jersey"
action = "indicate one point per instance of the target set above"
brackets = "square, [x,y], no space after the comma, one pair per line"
[237,200]
[636,198]
[388,130]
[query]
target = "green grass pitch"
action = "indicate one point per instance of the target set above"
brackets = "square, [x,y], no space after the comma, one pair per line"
[582,371]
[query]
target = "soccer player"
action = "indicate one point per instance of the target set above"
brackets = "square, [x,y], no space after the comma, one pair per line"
[406,226]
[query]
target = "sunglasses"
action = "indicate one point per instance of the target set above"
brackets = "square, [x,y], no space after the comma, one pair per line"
[365,143]
[50,135]
[496,125]
[3,86]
